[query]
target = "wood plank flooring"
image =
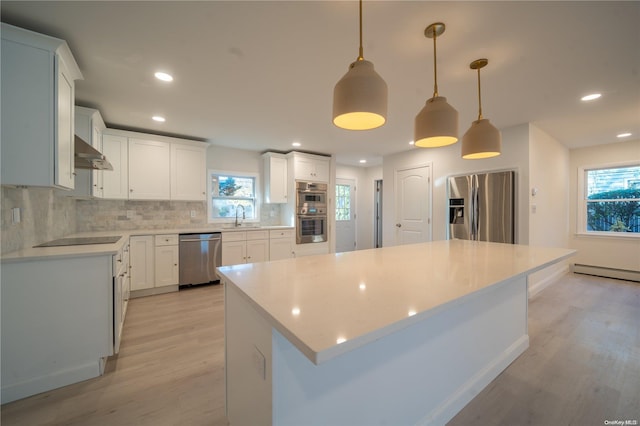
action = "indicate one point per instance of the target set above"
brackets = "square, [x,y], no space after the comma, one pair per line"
[583,365]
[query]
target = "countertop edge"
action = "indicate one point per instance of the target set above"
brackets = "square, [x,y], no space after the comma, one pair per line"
[41,253]
[319,357]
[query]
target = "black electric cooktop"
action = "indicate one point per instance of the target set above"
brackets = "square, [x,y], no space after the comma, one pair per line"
[79,241]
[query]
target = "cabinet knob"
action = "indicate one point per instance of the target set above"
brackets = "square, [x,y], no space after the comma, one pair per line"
[398,225]
[131,190]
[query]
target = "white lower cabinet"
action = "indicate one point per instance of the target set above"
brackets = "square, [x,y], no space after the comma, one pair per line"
[245,247]
[166,259]
[154,264]
[257,246]
[281,244]
[257,251]
[142,262]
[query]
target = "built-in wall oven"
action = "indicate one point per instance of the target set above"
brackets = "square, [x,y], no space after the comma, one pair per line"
[311,212]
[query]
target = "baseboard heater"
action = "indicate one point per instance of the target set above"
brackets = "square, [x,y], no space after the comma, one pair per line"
[600,271]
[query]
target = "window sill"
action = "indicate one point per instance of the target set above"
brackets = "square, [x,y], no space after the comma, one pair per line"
[613,235]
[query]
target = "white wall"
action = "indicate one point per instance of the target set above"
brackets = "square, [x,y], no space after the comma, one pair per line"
[365,179]
[549,174]
[445,162]
[609,252]
[549,208]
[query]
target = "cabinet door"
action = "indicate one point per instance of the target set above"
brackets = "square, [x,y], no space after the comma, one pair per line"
[321,171]
[275,179]
[166,265]
[312,169]
[281,248]
[257,251]
[97,187]
[149,175]
[115,182]
[304,168]
[234,252]
[64,142]
[141,262]
[188,172]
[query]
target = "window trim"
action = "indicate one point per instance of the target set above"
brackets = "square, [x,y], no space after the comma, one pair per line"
[257,197]
[581,210]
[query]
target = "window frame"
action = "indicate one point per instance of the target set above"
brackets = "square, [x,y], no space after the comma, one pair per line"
[256,195]
[581,185]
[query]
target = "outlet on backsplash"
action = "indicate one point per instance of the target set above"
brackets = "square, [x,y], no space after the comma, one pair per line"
[130,214]
[193,213]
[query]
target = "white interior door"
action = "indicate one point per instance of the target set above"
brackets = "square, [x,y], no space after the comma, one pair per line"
[345,215]
[413,205]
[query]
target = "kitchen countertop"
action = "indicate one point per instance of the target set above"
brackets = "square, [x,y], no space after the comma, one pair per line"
[34,253]
[327,305]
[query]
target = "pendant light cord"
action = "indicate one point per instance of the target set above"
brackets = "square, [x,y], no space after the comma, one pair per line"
[479,98]
[435,66]
[361,54]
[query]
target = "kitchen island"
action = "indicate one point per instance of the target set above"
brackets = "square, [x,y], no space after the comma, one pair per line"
[400,335]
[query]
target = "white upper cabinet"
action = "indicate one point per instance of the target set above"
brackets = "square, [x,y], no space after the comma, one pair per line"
[188,172]
[149,169]
[89,127]
[311,167]
[38,91]
[275,178]
[115,183]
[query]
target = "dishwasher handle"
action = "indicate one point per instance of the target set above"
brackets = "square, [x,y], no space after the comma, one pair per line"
[199,240]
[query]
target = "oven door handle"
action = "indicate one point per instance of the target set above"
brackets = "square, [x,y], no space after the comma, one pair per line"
[312,216]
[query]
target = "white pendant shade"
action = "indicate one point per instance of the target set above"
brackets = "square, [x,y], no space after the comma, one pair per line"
[482,140]
[360,98]
[436,124]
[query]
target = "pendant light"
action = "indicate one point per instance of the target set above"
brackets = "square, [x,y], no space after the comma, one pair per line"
[482,140]
[360,97]
[437,123]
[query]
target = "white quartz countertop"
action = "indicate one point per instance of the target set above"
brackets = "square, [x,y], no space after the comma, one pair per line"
[327,305]
[33,253]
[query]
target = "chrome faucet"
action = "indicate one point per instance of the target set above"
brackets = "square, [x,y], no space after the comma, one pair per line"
[243,215]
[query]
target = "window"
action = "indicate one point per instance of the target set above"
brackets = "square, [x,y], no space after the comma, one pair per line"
[232,194]
[611,200]
[343,202]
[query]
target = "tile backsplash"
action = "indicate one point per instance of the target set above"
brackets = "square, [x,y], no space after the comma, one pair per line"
[47,214]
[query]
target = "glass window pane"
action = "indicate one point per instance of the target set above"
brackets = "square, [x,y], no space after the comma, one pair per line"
[343,202]
[613,199]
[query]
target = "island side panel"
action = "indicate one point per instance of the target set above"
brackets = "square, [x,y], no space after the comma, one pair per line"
[247,361]
[423,374]
[57,322]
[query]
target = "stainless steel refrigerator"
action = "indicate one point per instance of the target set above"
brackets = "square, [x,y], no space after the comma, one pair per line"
[482,207]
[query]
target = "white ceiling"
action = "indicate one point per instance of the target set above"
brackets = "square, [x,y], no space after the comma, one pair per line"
[260,75]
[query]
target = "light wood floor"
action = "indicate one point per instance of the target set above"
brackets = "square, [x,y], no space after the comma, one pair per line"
[582,367]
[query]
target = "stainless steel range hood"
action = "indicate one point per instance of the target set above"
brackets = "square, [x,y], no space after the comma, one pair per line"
[87,157]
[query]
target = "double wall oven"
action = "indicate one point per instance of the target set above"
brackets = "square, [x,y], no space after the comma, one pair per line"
[311,212]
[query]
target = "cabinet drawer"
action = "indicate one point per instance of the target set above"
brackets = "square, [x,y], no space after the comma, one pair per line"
[281,233]
[234,236]
[257,235]
[166,240]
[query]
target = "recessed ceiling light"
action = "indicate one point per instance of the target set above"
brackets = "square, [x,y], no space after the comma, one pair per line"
[590,97]
[158,119]
[296,144]
[624,135]
[163,76]
[363,161]
[412,143]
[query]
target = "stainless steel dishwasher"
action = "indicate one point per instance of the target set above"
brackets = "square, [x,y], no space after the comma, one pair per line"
[200,254]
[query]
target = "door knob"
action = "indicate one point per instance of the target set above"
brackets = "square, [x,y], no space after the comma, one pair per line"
[399,225]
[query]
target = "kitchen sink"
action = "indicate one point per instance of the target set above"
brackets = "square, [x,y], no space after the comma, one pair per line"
[79,241]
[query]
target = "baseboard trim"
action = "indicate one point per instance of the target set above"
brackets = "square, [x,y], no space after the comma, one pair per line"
[554,277]
[57,379]
[153,291]
[601,271]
